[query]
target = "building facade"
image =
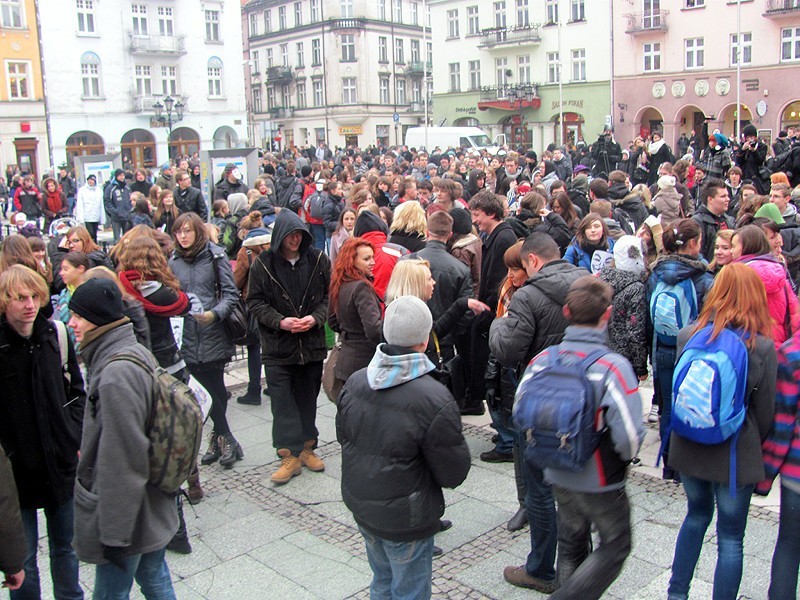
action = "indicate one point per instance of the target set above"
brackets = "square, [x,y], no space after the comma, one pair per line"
[675,66]
[343,72]
[108,63]
[23,128]
[497,65]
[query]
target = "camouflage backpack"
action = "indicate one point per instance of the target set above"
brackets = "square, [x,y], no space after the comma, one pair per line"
[174,428]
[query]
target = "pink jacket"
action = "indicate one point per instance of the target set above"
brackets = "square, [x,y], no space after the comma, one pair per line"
[781,299]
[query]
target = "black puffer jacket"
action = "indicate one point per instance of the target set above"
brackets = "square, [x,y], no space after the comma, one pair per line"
[278,289]
[400,445]
[628,324]
[191,200]
[289,193]
[534,320]
[632,210]
[553,225]
[710,224]
[225,188]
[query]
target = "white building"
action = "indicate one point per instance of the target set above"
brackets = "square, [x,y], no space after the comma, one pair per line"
[107,62]
[497,66]
[334,71]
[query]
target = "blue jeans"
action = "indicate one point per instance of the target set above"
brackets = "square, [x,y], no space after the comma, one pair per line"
[149,570]
[63,562]
[701,496]
[319,235]
[786,560]
[505,435]
[541,510]
[400,570]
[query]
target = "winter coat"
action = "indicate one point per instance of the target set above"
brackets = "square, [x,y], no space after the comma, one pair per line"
[191,200]
[534,319]
[54,205]
[138,218]
[628,323]
[40,414]
[206,343]
[331,209]
[289,193]
[117,201]
[267,210]
[27,201]
[493,269]
[618,408]
[553,225]
[225,188]
[338,238]
[165,182]
[386,257]
[143,187]
[278,289]
[114,504]
[579,257]
[359,320]
[401,438]
[716,161]
[712,463]
[89,205]
[781,299]
[668,203]
[630,212]
[411,240]
[617,191]
[656,159]
[710,224]
[469,250]
[13,547]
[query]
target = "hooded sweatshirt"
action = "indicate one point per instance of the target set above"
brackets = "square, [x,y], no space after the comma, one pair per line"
[372,228]
[781,300]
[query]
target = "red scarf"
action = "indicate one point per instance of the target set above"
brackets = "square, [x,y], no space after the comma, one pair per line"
[169,310]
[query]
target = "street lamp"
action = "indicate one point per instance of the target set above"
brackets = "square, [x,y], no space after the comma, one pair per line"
[172,108]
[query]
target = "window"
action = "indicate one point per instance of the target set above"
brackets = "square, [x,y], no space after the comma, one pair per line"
[695,53]
[139,19]
[415,13]
[746,49]
[301,94]
[551,11]
[399,55]
[256,62]
[473,24]
[382,10]
[11,14]
[553,69]
[501,69]
[348,47]
[398,11]
[18,77]
[523,20]
[415,51]
[212,25]
[524,68]
[90,75]
[577,10]
[257,100]
[281,18]
[790,44]
[270,62]
[383,55]
[455,77]
[346,9]
[301,61]
[383,87]
[652,57]
[284,55]
[500,14]
[253,25]
[319,95]
[143,83]
[695,3]
[285,96]
[416,91]
[169,80]
[85,15]
[316,53]
[165,24]
[270,98]
[349,90]
[267,21]
[298,14]
[400,91]
[214,77]
[452,24]
[579,65]
[314,11]
[474,67]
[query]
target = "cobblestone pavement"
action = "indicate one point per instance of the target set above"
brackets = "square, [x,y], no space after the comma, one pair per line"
[255,540]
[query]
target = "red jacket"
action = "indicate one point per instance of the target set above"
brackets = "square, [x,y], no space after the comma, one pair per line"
[386,257]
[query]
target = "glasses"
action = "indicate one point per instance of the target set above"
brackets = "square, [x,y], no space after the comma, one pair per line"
[74,242]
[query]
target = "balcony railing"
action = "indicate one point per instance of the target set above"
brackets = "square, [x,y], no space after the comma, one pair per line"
[501,36]
[354,23]
[144,103]
[782,8]
[419,68]
[279,74]
[281,112]
[158,44]
[644,22]
[509,91]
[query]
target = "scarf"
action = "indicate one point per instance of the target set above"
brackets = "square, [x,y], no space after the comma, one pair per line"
[127,278]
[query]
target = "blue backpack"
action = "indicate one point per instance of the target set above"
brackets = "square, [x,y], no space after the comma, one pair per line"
[555,408]
[672,307]
[709,391]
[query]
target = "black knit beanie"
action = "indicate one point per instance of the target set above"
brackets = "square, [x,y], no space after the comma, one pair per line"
[99,301]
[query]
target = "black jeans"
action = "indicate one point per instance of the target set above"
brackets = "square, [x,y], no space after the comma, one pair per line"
[582,574]
[92,229]
[293,391]
[479,356]
[254,368]
[212,377]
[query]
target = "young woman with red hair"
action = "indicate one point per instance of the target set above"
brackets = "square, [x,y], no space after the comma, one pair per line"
[356,310]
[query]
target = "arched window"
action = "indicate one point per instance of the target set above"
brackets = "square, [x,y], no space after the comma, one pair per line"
[215,89]
[90,75]
[84,143]
[139,148]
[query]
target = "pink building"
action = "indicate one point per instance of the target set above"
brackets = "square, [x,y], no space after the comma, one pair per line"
[675,66]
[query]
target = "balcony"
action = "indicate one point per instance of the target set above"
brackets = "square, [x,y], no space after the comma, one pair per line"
[508,96]
[158,44]
[419,68]
[355,23]
[527,35]
[144,103]
[782,9]
[646,22]
[281,112]
[279,75]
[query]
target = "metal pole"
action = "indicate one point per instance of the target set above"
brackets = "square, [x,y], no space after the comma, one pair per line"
[738,70]
[560,87]
[425,66]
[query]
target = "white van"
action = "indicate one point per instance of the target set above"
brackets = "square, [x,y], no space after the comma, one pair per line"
[452,137]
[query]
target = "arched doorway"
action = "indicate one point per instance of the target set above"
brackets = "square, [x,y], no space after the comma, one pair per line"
[689,118]
[184,141]
[225,137]
[515,128]
[727,119]
[650,119]
[572,130]
[791,115]
[138,149]
[84,143]
[467,122]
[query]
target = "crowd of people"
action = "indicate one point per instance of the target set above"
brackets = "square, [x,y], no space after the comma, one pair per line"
[418,288]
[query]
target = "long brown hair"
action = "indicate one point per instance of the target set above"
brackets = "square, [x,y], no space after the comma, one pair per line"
[17,251]
[580,234]
[83,234]
[737,299]
[161,209]
[146,257]
[344,269]
[201,234]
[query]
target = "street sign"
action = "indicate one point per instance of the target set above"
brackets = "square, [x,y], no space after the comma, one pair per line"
[396,118]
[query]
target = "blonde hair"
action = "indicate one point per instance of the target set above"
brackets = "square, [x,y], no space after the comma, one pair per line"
[408,279]
[410,217]
[17,278]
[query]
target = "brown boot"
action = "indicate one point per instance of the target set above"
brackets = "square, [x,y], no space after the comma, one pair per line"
[310,459]
[290,466]
[195,491]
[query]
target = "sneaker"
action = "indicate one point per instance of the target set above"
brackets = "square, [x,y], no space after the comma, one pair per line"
[653,416]
[519,577]
[493,456]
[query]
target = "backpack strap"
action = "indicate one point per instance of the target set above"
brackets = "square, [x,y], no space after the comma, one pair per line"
[132,358]
[63,341]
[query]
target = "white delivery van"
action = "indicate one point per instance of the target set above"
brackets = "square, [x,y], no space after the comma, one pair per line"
[452,137]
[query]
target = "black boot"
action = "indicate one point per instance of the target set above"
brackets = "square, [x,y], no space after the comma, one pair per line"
[250,398]
[212,452]
[230,449]
[520,518]
[180,541]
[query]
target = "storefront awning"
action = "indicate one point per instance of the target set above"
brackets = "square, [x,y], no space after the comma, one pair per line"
[511,105]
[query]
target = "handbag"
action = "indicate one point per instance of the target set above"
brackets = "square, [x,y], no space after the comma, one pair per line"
[450,373]
[236,323]
[330,384]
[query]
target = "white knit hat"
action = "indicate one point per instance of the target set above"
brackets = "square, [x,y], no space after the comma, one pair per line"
[407,322]
[628,254]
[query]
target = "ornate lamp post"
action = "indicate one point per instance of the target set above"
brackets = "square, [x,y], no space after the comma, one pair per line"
[171,108]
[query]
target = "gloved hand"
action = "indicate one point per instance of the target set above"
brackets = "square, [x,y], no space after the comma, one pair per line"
[116,556]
